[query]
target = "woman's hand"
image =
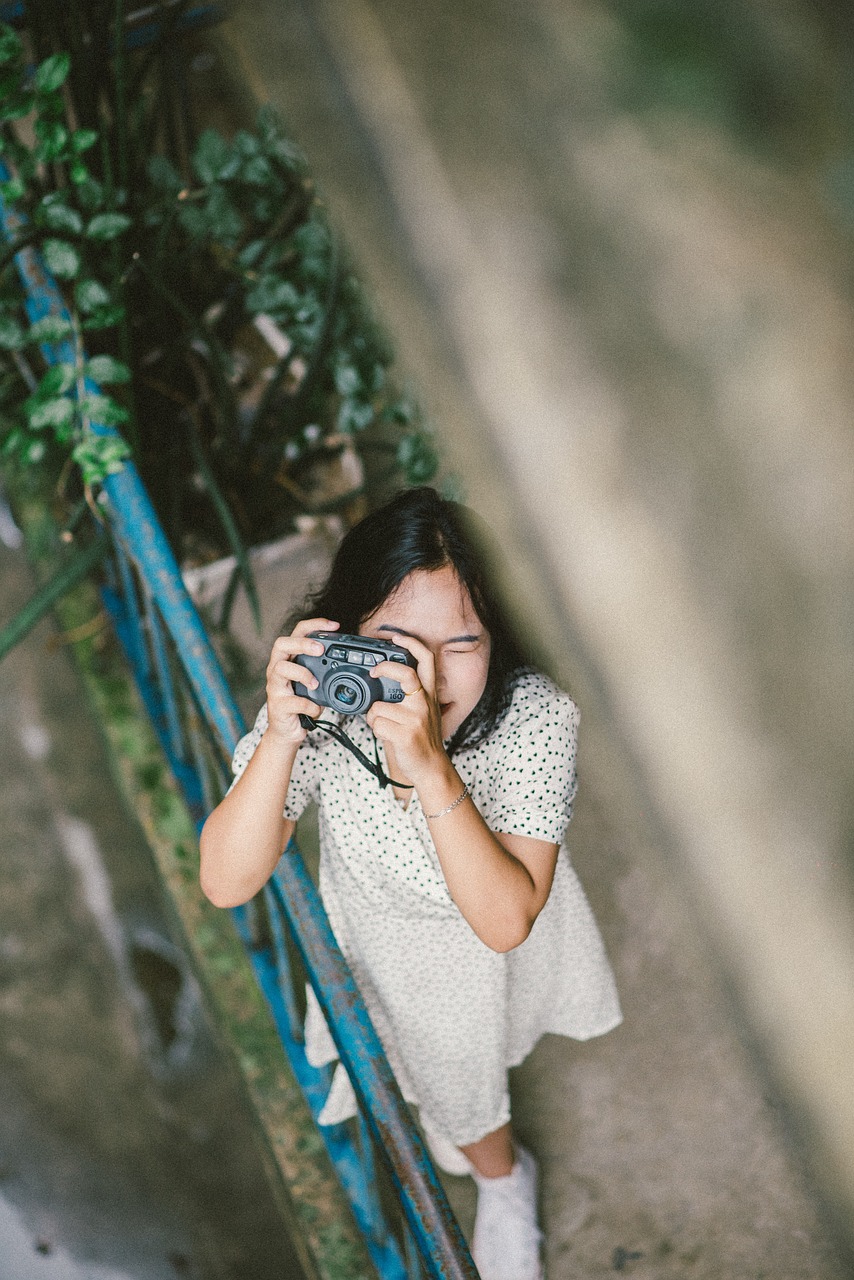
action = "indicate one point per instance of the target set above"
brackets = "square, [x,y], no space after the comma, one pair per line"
[244,837]
[283,706]
[412,729]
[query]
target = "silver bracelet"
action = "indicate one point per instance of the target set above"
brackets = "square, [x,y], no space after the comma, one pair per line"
[460,798]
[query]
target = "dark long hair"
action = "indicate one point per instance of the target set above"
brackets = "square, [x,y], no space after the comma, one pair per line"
[418,529]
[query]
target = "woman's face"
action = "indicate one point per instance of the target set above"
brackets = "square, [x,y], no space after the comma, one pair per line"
[434,607]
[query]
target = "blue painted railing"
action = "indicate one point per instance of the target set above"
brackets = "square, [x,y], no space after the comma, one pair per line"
[198,724]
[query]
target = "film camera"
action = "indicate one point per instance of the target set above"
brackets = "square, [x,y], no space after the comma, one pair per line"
[344,672]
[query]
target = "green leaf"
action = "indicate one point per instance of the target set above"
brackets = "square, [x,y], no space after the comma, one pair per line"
[106,226]
[276,143]
[211,156]
[246,145]
[52,136]
[11,333]
[50,329]
[105,317]
[58,379]
[217,219]
[12,442]
[53,213]
[257,172]
[90,191]
[100,456]
[61,259]
[376,378]
[12,190]
[107,371]
[251,252]
[224,220]
[193,220]
[402,410]
[10,45]
[417,456]
[83,139]
[164,175]
[52,73]
[347,380]
[264,208]
[354,415]
[90,295]
[56,413]
[312,239]
[18,107]
[103,410]
[272,294]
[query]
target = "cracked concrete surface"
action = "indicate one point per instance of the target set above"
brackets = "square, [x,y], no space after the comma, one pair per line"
[125,1149]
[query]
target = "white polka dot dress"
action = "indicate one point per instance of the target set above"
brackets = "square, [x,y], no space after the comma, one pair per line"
[452,1015]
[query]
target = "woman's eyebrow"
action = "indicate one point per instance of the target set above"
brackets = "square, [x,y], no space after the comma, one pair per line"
[387,626]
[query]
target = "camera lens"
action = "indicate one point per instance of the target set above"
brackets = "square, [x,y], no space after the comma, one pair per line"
[349,694]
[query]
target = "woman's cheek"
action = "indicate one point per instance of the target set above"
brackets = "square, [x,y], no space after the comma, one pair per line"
[478,681]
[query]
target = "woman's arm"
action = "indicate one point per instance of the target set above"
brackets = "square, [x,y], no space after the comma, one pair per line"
[245,835]
[243,838]
[499,882]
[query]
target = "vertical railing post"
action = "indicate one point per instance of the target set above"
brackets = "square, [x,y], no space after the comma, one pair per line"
[135,519]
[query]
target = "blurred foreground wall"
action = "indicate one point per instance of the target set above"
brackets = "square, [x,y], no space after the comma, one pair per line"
[611,245]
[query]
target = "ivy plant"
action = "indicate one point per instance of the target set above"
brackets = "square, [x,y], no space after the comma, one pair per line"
[54,204]
[167,258]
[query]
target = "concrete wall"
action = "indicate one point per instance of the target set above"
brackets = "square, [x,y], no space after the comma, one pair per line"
[633,330]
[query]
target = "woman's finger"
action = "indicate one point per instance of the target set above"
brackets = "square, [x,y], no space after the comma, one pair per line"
[384,723]
[408,678]
[423,656]
[304,707]
[291,672]
[300,641]
[289,646]
[314,624]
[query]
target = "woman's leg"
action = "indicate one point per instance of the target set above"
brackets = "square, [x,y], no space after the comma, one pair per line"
[492,1156]
[506,1238]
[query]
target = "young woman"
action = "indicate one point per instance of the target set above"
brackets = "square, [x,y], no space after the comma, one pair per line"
[453,898]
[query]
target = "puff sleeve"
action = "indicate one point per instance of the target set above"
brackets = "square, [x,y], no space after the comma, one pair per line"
[532,776]
[304,784]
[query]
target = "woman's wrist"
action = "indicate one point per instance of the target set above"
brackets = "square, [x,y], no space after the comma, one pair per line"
[440,788]
[449,808]
[283,745]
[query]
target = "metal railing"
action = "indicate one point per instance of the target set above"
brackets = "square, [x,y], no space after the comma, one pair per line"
[198,724]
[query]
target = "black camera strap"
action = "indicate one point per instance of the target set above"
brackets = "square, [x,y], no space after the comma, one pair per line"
[335,731]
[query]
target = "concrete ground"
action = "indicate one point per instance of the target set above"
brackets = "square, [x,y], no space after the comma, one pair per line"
[125,1140]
